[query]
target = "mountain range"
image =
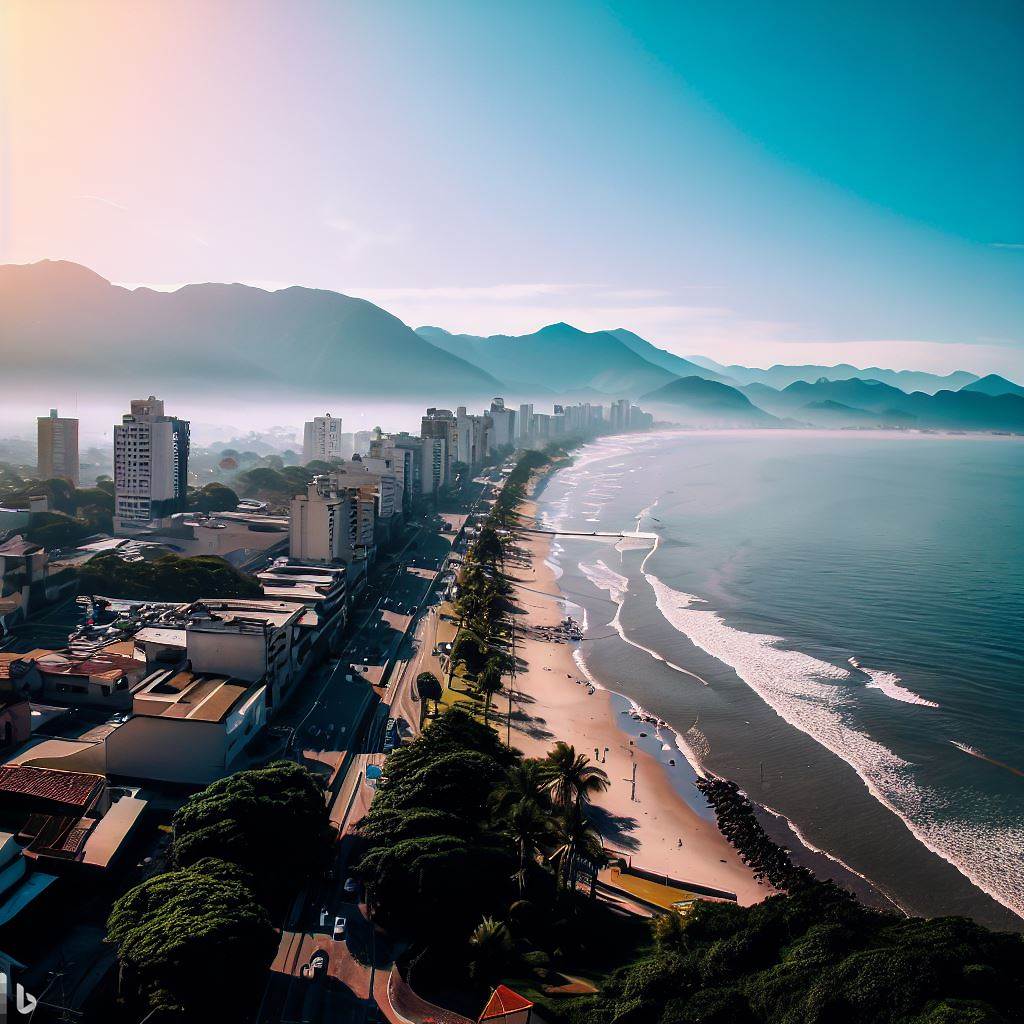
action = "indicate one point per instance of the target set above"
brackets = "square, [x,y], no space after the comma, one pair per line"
[235,339]
[227,337]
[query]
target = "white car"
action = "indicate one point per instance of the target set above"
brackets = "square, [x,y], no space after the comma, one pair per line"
[339,928]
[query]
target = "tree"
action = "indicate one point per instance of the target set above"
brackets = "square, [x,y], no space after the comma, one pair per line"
[529,828]
[489,683]
[490,951]
[213,497]
[169,578]
[191,941]
[571,776]
[273,821]
[580,840]
[428,687]
[527,781]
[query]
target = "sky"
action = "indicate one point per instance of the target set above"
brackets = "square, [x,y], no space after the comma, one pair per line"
[758,183]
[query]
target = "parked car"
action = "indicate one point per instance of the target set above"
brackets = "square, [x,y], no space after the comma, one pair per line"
[339,928]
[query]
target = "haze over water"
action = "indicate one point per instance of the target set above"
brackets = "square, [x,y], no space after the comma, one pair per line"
[782,556]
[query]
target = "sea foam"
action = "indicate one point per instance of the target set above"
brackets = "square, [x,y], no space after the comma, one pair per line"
[805,691]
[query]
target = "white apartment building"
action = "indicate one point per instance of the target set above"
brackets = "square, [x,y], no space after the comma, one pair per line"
[150,466]
[58,447]
[502,430]
[470,437]
[322,439]
[525,420]
[332,524]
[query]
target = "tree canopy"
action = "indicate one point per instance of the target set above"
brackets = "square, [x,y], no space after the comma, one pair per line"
[168,578]
[194,941]
[273,821]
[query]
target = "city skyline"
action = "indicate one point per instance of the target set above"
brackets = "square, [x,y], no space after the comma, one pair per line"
[875,218]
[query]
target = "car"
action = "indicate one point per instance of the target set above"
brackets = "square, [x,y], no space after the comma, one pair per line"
[339,928]
[351,885]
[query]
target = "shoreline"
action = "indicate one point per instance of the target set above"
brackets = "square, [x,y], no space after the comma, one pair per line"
[554,698]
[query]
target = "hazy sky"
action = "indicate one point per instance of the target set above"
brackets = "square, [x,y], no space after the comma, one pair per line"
[758,182]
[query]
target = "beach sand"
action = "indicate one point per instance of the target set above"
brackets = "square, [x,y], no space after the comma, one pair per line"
[551,702]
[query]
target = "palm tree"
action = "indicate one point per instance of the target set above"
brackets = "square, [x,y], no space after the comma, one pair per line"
[525,780]
[489,683]
[529,828]
[572,779]
[580,841]
[490,948]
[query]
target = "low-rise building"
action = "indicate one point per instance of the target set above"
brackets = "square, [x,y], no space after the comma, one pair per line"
[187,727]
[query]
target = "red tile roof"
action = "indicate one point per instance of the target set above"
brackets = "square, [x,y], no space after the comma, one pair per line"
[74,789]
[503,1001]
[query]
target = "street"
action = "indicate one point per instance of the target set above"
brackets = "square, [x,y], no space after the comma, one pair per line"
[340,729]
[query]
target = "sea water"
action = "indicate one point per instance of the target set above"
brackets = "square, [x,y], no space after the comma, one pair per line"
[833,620]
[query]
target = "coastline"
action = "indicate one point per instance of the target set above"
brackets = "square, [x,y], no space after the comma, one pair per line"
[659,830]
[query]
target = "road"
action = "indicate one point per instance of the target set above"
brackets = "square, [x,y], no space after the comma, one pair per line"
[341,728]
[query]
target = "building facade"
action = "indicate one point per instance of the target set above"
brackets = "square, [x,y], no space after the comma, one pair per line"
[58,447]
[150,466]
[322,439]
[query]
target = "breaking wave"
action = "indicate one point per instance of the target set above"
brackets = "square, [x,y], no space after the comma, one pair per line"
[806,692]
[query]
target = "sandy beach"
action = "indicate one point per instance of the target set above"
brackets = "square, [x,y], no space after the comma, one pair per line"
[552,701]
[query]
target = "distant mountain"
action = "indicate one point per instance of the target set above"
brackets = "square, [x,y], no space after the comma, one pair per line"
[780,375]
[66,323]
[822,403]
[666,360]
[694,401]
[558,358]
[993,384]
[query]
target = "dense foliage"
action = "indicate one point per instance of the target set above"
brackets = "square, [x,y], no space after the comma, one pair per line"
[474,852]
[74,512]
[267,482]
[193,941]
[168,578]
[816,956]
[273,821]
[213,497]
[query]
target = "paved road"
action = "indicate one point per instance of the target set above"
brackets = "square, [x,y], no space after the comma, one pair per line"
[341,727]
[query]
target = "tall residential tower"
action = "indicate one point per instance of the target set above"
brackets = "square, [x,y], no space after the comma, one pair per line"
[58,447]
[150,466]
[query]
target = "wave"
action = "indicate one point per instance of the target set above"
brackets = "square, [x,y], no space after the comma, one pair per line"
[889,684]
[805,692]
[807,844]
[617,586]
[975,752]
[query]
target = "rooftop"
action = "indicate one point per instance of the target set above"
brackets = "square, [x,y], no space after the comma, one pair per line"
[172,693]
[75,789]
[503,1001]
[18,547]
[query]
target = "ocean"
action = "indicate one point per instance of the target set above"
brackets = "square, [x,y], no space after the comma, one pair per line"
[833,620]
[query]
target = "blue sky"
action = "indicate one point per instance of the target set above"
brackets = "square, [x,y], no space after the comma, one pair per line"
[755,182]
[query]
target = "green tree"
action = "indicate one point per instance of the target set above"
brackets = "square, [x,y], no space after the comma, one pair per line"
[193,942]
[273,821]
[571,776]
[213,497]
[490,948]
[489,683]
[168,578]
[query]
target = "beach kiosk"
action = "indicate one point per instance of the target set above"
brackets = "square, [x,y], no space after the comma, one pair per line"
[506,1007]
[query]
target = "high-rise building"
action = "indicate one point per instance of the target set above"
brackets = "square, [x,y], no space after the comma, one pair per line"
[58,447]
[150,465]
[322,439]
[470,438]
[502,430]
[525,421]
[331,523]
[441,424]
